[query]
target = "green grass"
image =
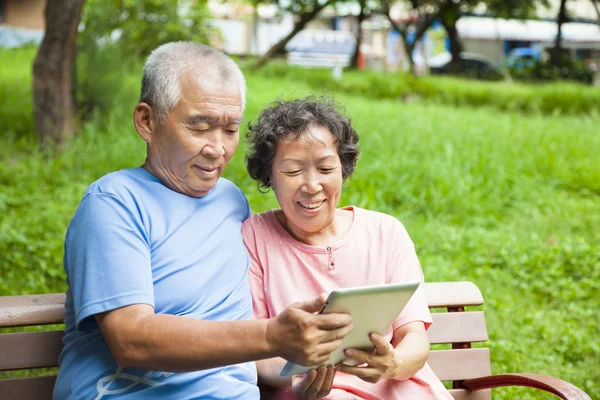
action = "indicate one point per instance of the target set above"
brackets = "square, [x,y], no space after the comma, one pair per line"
[553,98]
[508,200]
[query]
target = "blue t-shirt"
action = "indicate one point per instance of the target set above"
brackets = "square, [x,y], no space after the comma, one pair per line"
[134,241]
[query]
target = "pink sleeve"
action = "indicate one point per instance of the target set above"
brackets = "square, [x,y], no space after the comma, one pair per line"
[405,267]
[255,274]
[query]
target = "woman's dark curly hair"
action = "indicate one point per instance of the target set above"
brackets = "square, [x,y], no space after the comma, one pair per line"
[287,120]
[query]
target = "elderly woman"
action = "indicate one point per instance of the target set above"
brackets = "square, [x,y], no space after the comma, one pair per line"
[304,150]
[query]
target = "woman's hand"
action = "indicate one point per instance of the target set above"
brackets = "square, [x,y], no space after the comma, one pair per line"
[400,359]
[314,384]
[380,364]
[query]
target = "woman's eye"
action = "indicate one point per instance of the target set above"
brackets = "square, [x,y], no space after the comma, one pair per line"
[292,173]
[327,170]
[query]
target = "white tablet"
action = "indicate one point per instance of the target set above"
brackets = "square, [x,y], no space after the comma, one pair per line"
[373,308]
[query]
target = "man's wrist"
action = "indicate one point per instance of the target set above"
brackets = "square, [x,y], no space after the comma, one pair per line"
[270,337]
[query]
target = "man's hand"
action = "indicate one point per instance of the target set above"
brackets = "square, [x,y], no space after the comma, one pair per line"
[380,364]
[300,336]
[314,384]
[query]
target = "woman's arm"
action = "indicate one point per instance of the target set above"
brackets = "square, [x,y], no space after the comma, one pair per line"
[400,359]
[411,349]
[314,384]
[268,372]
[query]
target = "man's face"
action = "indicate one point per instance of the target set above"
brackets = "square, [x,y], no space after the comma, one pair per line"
[191,146]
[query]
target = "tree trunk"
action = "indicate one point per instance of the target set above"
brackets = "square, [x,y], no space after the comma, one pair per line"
[595,4]
[361,18]
[421,28]
[279,47]
[53,73]
[556,53]
[449,19]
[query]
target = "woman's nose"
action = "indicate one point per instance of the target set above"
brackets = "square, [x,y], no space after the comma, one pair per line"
[312,184]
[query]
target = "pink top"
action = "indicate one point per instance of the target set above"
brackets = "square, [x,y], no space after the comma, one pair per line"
[376,250]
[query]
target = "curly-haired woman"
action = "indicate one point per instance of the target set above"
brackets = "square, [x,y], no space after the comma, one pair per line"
[304,150]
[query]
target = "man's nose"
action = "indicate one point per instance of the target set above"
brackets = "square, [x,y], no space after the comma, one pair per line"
[215,147]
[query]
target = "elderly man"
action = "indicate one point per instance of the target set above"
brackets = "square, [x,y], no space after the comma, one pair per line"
[158,304]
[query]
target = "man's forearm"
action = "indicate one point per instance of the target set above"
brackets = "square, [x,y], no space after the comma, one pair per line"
[176,344]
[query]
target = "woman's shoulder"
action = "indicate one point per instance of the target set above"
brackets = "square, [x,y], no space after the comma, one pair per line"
[258,223]
[377,218]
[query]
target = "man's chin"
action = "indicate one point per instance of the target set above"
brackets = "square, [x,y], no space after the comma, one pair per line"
[200,189]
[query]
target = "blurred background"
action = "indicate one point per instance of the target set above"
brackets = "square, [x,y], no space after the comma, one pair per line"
[479,123]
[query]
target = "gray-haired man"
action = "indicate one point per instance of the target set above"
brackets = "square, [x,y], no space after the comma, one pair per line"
[158,304]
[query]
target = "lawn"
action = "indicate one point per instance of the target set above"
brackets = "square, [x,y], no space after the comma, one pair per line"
[508,200]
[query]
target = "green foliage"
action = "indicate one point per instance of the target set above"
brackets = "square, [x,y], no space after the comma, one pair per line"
[552,98]
[508,200]
[140,26]
[15,99]
[543,70]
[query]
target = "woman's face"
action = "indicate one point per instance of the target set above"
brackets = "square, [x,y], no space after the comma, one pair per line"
[307,180]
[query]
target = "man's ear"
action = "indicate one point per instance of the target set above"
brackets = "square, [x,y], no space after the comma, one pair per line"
[144,120]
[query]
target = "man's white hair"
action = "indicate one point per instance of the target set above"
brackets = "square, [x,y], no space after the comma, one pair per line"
[161,86]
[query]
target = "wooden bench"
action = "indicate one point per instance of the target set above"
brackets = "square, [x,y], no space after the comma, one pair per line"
[468,368]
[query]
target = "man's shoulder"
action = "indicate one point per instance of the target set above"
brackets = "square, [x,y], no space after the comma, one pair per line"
[122,184]
[227,188]
[117,182]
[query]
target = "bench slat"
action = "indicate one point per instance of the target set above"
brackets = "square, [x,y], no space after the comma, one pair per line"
[460,364]
[37,309]
[458,327]
[30,350]
[38,388]
[463,394]
[452,294]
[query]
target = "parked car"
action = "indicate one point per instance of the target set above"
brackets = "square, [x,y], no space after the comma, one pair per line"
[471,66]
[524,57]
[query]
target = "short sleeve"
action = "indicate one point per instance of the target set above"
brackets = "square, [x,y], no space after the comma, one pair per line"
[257,286]
[107,258]
[405,267]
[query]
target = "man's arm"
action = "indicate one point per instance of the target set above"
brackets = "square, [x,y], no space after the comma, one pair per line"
[139,338]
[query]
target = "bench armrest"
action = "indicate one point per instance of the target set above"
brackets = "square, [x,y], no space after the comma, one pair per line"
[558,387]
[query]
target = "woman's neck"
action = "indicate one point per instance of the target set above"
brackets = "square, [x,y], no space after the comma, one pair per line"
[335,230]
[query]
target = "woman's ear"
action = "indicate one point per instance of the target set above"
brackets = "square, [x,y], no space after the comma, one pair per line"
[144,121]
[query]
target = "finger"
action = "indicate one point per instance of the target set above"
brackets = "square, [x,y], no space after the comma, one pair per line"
[362,356]
[381,345]
[367,374]
[325,349]
[317,383]
[311,306]
[327,382]
[333,321]
[301,386]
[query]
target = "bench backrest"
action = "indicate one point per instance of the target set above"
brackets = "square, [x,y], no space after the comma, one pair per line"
[456,327]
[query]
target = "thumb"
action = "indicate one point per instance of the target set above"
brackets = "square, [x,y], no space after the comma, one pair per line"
[312,306]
